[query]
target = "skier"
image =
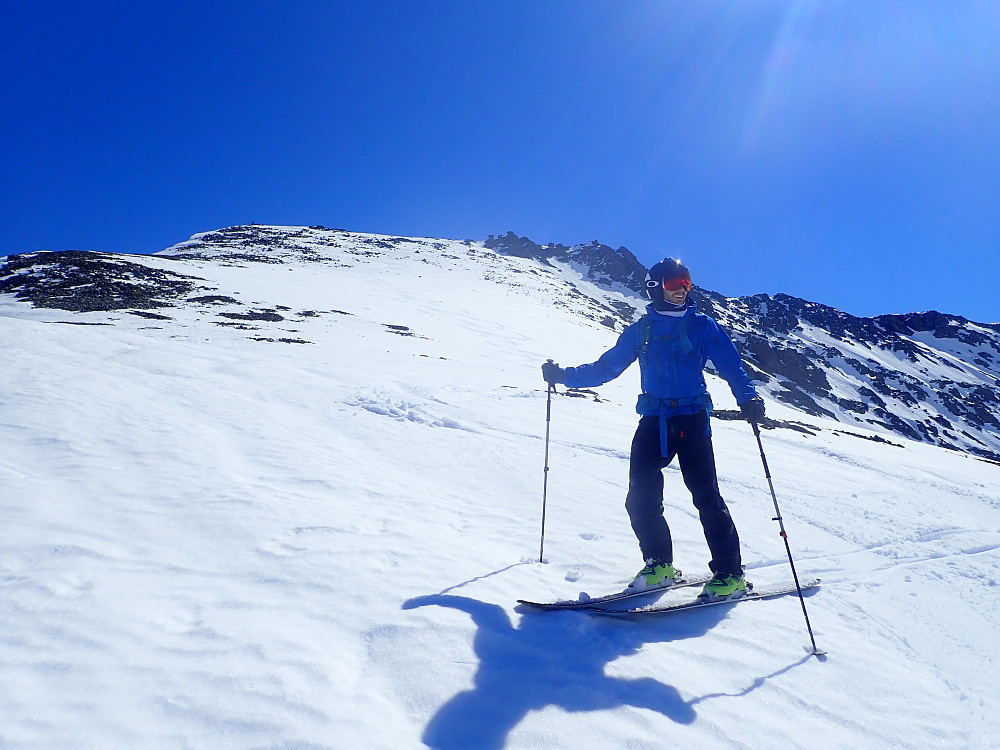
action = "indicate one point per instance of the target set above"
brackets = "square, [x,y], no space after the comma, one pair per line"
[672,342]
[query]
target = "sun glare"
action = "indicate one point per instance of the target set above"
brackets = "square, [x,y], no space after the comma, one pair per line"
[848,69]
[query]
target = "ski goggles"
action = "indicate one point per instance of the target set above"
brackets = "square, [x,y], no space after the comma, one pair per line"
[672,285]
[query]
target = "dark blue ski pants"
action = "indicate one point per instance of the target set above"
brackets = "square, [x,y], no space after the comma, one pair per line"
[689,439]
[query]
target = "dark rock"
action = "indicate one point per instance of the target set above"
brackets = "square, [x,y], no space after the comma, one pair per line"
[263,315]
[602,264]
[90,282]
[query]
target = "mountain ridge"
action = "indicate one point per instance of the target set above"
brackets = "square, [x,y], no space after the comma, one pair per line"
[926,376]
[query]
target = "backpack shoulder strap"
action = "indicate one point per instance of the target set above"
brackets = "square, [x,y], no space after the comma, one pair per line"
[644,332]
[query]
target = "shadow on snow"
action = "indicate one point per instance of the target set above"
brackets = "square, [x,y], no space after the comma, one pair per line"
[552,659]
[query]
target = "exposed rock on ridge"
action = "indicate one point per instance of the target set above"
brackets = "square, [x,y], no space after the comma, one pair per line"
[601,263]
[927,376]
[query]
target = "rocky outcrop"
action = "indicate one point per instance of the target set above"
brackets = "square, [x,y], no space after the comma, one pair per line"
[87,282]
[600,263]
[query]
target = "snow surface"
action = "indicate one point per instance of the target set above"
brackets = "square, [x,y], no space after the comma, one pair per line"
[212,541]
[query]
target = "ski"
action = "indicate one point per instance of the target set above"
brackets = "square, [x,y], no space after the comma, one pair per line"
[752,594]
[618,596]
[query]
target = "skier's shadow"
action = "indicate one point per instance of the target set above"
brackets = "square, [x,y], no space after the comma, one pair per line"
[552,659]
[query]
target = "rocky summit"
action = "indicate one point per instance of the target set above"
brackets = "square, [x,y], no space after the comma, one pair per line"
[925,376]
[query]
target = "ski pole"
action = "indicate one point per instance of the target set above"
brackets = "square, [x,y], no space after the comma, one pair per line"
[545,481]
[781,524]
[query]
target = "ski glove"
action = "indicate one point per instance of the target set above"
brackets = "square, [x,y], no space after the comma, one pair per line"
[753,410]
[552,373]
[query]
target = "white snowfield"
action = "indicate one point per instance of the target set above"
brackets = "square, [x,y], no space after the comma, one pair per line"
[213,541]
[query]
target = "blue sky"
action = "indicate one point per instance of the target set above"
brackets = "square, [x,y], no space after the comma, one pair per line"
[844,151]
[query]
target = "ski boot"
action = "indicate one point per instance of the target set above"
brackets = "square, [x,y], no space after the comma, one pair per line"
[655,575]
[724,586]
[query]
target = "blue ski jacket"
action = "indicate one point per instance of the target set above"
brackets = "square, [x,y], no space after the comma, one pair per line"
[672,353]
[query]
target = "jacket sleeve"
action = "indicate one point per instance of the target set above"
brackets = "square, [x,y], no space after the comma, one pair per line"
[724,355]
[609,366]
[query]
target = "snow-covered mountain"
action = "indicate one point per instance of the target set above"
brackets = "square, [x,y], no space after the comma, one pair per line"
[280,487]
[924,376]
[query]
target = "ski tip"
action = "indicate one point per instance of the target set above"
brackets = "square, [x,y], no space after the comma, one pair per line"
[811,587]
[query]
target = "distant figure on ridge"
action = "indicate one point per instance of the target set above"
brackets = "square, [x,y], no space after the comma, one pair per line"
[673,342]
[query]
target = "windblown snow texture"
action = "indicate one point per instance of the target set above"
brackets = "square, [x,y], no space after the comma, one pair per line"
[280,487]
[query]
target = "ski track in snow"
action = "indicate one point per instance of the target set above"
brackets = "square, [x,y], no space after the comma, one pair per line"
[218,542]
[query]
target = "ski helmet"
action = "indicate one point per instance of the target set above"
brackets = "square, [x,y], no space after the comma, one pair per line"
[667,269]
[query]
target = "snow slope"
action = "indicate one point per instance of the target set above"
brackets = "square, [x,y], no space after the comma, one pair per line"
[309,529]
